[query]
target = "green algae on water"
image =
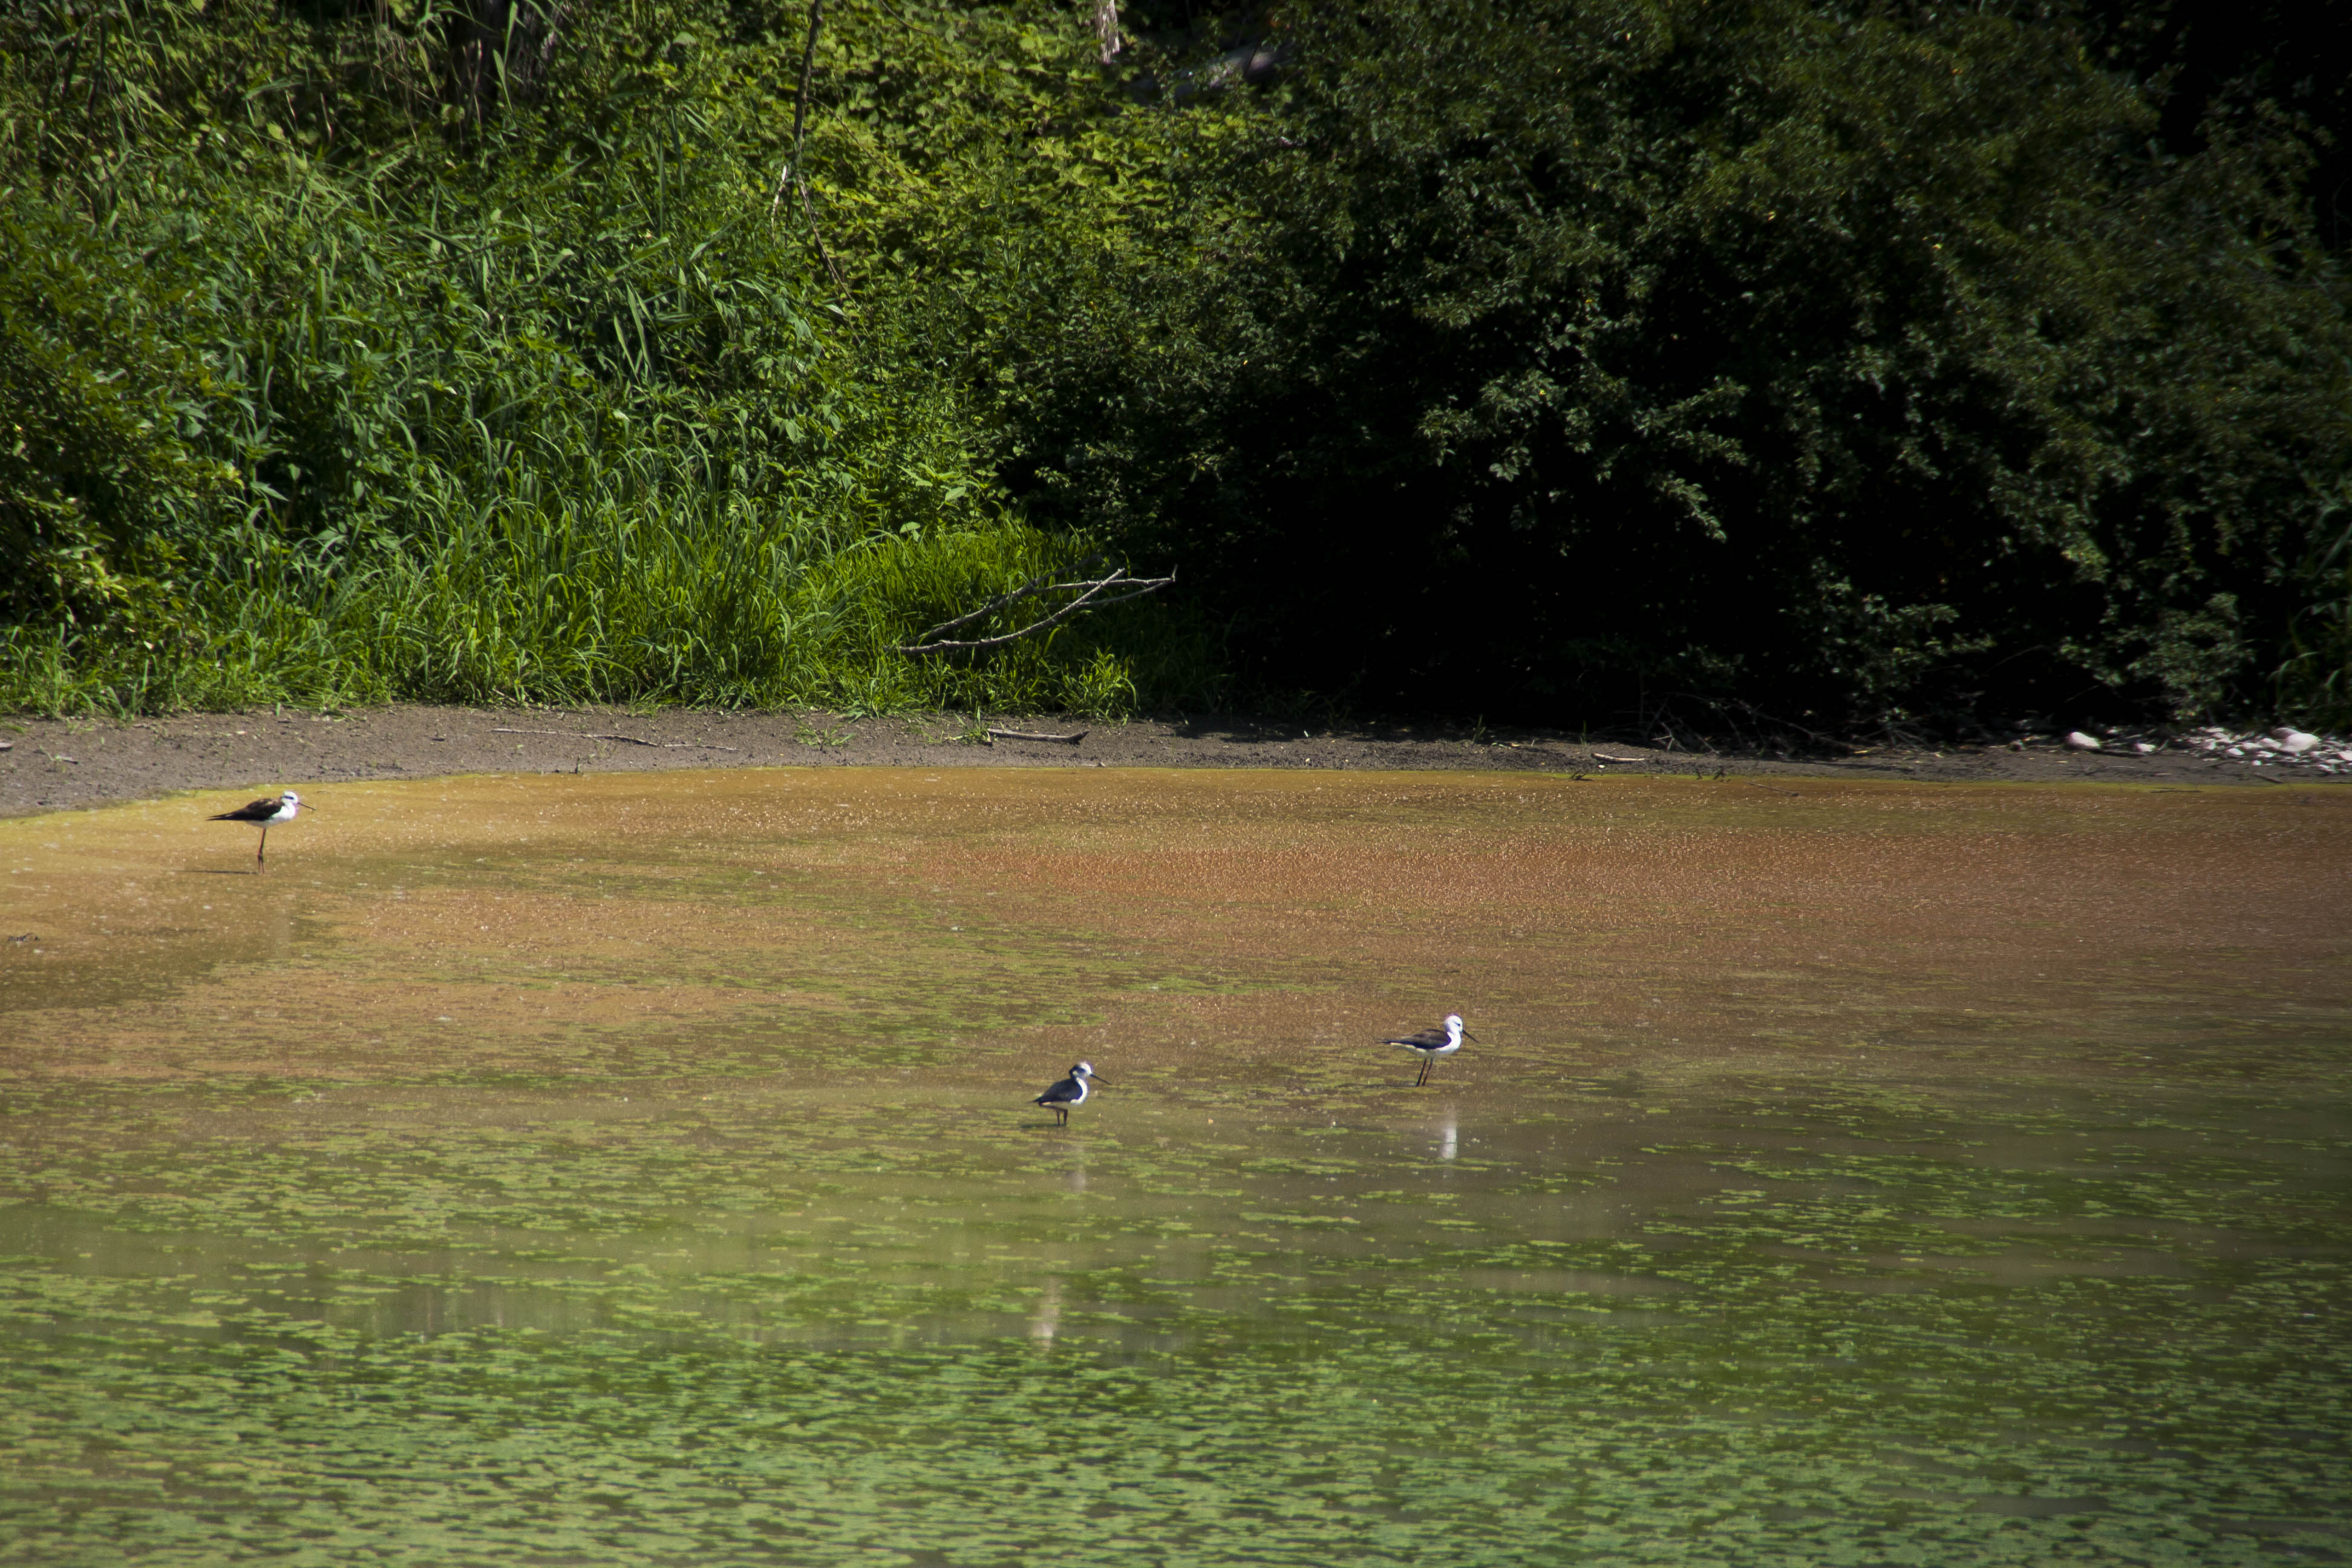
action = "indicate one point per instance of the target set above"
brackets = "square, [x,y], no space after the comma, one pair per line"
[712,1226]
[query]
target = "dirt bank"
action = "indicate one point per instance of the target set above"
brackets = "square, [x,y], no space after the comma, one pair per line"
[57,765]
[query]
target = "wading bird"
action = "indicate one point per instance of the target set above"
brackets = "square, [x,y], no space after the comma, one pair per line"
[265,813]
[1431,1044]
[1069,1092]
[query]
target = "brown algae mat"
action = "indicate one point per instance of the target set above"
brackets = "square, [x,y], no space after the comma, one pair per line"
[1232,926]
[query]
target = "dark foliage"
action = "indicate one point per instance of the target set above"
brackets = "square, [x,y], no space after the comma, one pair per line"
[1573,359]
[2225,64]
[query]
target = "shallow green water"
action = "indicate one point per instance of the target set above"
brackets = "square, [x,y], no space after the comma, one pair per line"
[1611,1309]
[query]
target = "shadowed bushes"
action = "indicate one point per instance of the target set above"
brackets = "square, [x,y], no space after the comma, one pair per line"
[1863,366]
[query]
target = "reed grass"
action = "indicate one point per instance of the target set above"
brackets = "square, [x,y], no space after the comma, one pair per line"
[721,607]
[563,415]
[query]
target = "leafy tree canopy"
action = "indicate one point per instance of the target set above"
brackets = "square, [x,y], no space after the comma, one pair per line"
[1583,355]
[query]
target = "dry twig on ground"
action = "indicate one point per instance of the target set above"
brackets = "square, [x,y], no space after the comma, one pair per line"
[631,740]
[996,735]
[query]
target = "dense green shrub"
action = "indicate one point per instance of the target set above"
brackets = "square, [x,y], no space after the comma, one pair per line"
[105,488]
[1572,358]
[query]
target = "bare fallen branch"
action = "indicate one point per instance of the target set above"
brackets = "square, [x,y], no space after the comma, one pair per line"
[996,735]
[1027,590]
[1137,588]
[1605,757]
[631,740]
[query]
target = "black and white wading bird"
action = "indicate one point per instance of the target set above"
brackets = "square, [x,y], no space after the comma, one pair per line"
[265,813]
[1431,1044]
[1070,1091]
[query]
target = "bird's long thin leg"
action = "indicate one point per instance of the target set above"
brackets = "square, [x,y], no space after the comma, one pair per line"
[1424,1072]
[260,853]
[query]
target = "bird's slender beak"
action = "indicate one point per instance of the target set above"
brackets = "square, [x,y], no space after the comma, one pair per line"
[1099,1078]
[1468,1036]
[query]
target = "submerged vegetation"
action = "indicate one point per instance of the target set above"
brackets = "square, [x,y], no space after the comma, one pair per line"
[1784,362]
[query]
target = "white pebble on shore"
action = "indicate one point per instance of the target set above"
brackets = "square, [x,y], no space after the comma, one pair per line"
[2082,743]
[2295,741]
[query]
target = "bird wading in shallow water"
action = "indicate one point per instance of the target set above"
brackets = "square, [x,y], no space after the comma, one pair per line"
[1070,1091]
[1431,1044]
[265,813]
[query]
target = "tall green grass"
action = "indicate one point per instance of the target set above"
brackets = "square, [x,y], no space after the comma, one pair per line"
[709,601]
[559,412]
[2314,682]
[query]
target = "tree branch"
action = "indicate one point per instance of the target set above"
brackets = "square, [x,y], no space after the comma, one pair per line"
[1137,588]
[1027,590]
[792,173]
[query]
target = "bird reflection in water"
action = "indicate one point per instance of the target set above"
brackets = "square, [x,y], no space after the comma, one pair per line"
[1048,1316]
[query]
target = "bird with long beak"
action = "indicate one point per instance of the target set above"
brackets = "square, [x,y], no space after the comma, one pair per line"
[1431,1044]
[265,813]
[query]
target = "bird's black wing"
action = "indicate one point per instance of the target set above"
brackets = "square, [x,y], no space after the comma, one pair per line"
[253,811]
[1428,1040]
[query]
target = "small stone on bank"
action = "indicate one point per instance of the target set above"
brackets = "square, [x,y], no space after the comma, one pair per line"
[2082,743]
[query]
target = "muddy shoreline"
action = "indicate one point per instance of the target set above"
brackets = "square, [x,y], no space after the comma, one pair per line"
[64,764]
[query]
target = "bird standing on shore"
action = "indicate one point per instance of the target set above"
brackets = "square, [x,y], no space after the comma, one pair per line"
[1431,1044]
[265,813]
[1070,1091]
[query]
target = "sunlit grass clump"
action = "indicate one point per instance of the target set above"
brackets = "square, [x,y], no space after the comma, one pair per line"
[706,599]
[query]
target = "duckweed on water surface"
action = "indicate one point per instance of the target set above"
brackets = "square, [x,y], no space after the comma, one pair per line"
[769,1265]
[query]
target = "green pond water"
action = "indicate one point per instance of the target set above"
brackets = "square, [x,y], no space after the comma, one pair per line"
[637,1172]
